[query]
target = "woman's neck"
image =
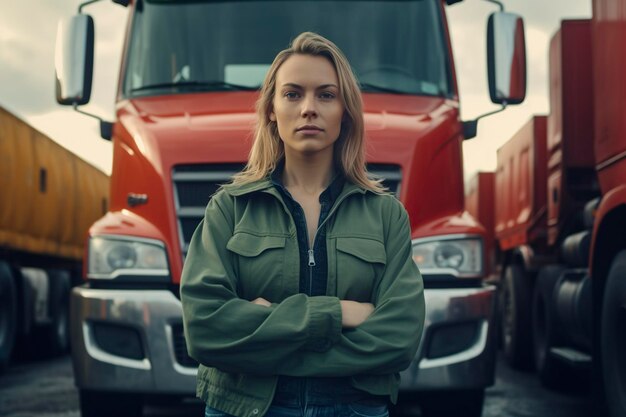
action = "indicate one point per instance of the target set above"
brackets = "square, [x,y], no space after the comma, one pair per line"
[311,175]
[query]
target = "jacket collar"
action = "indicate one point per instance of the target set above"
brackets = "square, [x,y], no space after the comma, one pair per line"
[266,185]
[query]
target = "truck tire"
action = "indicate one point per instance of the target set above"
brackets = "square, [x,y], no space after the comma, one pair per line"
[8,315]
[466,403]
[108,404]
[55,336]
[545,328]
[516,317]
[613,337]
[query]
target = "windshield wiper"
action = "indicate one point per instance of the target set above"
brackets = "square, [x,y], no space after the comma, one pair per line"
[373,87]
[203,85]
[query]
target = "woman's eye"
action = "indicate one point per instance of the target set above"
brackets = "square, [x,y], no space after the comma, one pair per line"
[327,96]
[291,95]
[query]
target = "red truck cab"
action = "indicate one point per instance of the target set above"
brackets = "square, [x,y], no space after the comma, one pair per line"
[185,114]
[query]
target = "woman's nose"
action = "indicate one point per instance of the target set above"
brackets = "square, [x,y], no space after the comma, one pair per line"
[309,107]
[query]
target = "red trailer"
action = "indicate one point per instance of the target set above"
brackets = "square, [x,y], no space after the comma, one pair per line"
[520,229]
[563,293]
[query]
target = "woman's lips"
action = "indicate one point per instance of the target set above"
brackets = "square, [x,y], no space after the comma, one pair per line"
[309,130]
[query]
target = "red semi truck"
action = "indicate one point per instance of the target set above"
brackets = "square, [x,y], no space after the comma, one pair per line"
[561,215]
[184,116]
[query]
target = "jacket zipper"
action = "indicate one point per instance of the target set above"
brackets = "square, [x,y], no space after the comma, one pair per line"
[311,251]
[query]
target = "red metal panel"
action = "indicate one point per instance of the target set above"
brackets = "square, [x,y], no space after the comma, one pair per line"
[520,186]
[609,60]
[479,202]
[570,123]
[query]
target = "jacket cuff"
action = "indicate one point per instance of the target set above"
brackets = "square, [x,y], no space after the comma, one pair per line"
[324,323]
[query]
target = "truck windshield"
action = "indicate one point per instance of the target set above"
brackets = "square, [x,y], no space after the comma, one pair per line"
[393,46]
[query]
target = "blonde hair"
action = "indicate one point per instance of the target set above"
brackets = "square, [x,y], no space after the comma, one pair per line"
[349,152]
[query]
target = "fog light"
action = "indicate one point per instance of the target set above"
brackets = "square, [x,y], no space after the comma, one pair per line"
[451,338]
[118,340]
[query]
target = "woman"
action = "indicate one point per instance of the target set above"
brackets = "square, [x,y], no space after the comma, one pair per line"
[299,291]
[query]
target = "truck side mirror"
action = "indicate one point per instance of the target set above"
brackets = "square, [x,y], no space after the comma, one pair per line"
[506,52]
[74,60]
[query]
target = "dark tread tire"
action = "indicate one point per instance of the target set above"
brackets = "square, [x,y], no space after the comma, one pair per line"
[516,317]
[108,404]
[545,328]
[56,335]
[8,315]
[613,337]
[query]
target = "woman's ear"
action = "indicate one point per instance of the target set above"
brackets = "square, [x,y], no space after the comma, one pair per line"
[272,116]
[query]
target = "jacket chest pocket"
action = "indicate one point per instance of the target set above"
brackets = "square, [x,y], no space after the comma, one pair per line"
[360,263]
[260,262]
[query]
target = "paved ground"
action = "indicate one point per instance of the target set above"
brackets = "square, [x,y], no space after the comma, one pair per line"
[46,389]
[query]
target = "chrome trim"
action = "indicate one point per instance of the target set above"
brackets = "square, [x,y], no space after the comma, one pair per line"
[191,212]
[464,356]
[127,238]
[204,174]
[610,161]
[185,370]
[439,238]
[213,176]
[135,272]
[152,313]
[94,351]
[469,369]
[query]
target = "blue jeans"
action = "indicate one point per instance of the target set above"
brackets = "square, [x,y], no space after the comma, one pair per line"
[337,410]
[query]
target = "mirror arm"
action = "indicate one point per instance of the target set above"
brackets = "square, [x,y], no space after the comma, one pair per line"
[470,127]
[498,3]
[87,3]
[106,128]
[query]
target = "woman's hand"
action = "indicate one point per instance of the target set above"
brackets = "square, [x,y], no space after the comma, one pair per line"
[262,302]
[354,313]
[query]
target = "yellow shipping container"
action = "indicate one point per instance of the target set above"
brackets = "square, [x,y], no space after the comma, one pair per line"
[48,196]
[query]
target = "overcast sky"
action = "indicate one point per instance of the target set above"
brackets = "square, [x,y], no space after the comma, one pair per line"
[28,30]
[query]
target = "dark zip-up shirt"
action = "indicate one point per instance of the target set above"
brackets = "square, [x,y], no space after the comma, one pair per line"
[299,391]
[313,261]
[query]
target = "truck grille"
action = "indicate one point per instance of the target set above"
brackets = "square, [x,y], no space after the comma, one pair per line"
[193,187]
[180,347]
[195,184]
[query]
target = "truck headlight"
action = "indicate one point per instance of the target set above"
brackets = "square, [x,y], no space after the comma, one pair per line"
[457,255]
[113,256]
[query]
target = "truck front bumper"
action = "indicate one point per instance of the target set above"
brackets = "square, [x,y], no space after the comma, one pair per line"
[131,340]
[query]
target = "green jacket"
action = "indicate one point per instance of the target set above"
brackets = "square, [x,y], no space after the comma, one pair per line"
[246,247]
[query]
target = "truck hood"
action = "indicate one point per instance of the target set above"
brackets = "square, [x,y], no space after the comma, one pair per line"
[419,135]
[216,127]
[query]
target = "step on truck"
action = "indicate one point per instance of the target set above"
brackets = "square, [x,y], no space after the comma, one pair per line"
[184,116]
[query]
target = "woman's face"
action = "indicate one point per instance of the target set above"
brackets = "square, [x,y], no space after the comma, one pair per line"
[307,106]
